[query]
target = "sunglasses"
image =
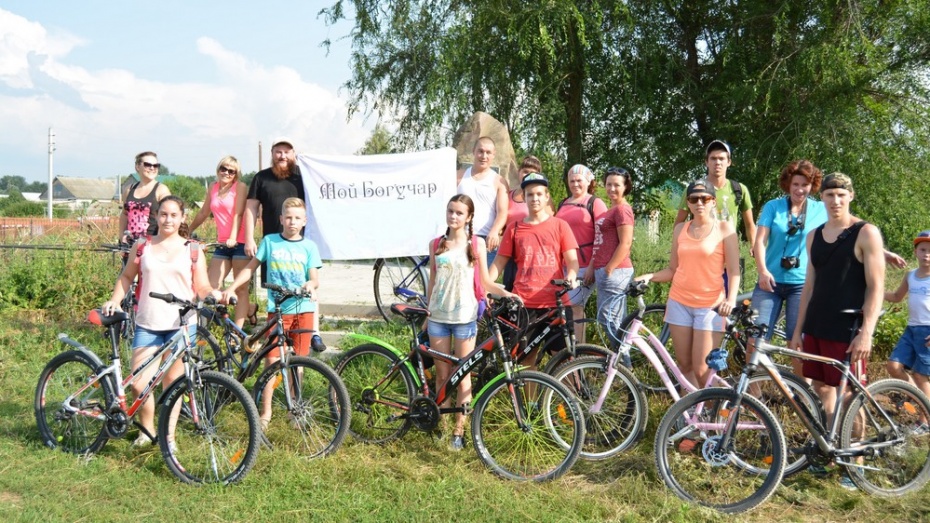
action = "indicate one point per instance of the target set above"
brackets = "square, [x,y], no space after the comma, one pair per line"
[617,170]
[702,199]
[151,165]
[225,170]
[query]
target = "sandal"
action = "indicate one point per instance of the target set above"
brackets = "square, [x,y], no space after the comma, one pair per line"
[253,315]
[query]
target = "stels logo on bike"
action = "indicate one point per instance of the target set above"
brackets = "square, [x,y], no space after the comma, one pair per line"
[466,367]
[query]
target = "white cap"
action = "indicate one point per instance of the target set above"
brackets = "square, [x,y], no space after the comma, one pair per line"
[282,139]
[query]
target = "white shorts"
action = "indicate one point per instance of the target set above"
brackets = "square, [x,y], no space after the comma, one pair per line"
[698,318]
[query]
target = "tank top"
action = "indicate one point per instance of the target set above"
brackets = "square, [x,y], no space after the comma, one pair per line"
[140,212]
[918,300]
[453,298]
[484,194]
[224,209]
[165,276]
[697,281]
[839,285]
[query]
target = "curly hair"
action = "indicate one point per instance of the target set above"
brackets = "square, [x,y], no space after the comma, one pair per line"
[800,168]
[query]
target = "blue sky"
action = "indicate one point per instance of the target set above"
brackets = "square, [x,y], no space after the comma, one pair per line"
[190,80]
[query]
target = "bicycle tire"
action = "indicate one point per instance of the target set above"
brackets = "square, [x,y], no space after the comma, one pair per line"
[689,464]
[380,398]
[208,354]
[654,320]
[394,273]
[318,420]
[76,433]
[221,447]
[900,468]
[565,356]
[546,447]
[622,419]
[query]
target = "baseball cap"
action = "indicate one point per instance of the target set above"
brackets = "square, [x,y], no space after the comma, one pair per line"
[836,181]
[718,144]
[532,178]
[282,139]
[701,187]
[923,236]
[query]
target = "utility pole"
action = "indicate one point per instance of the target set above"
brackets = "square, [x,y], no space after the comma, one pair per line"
[51,151]
[259,155]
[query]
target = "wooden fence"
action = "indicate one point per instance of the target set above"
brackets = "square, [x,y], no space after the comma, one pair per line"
[24,229]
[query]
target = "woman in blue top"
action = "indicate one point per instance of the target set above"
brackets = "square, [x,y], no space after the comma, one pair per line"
[781,257]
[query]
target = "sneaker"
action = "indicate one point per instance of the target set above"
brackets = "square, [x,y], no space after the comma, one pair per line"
[458,442]
[316,343]
[143,441]
[847,483]
[172,447]
[818,470]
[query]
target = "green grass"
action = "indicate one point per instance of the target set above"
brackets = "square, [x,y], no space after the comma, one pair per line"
[415,479]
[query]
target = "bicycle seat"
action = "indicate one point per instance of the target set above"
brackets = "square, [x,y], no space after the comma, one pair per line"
[95,317]
[409,312]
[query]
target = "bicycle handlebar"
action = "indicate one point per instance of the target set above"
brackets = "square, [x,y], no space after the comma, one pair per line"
[287,293]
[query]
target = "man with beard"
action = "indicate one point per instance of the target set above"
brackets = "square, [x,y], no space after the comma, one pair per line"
[269,189]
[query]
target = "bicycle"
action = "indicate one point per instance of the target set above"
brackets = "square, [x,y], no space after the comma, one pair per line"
[305,391]
[207,427]
[400,279]
[524,426]
[130,302]
[614,402]
[730,452]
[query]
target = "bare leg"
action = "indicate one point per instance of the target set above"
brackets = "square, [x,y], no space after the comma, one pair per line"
[443,369]
[702,342]
[463,396]
[147,411]
[242,294]
[578,314]
[682,340]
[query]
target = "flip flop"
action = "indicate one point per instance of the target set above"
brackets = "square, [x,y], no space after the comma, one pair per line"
[253,315]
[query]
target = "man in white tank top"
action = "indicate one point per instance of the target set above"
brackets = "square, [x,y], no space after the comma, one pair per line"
[486,190]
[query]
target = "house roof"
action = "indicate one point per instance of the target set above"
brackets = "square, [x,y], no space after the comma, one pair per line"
[66,187]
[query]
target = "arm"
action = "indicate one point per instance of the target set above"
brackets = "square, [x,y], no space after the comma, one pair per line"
[494,235]
[313,281]
[162,191]
[871,251]
[489,284]
[201,214]
[570,260]
[667,273]
[766,280]
[249,217]
[432,271]
[898,294]
[731,260]
[241,197]
[123,216]
[202,287]
[806,292]
[242,278]
[625,235]
[894,260]
[750,225]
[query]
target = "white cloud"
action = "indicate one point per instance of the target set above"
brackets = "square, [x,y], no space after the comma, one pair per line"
[103,117]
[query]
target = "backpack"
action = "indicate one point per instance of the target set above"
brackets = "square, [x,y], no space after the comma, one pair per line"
[195,247]
[478,288]
[589,205]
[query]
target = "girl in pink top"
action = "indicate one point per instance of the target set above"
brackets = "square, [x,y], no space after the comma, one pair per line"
[580,210]
[226,202]
[517,210]
[165,265]
[696,309]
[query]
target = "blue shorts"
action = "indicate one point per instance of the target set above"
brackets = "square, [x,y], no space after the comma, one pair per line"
[223,252]
[698,318]
[147,338]
[912,351]
[459,331]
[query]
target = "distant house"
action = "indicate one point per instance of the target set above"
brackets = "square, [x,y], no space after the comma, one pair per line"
[84,193]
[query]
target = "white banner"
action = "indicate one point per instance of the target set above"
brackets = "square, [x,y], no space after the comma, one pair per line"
[377,206]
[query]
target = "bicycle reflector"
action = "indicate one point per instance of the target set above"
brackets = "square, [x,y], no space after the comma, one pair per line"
[717,359]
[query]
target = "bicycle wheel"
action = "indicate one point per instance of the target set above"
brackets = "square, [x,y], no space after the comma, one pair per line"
[208,354]
[548,441]
[314,420]
[83,432]
[654,320]
[901,461]
[797,437]
[564,356]
[209,432]
[380,394]
[691,464]
[622,418]
[398,280]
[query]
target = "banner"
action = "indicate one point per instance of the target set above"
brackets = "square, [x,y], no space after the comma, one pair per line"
[377,206]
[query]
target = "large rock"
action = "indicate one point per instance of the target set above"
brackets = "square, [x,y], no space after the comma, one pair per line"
[483,124]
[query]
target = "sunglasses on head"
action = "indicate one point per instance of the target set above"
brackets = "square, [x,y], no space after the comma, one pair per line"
[224,170]
[703,199]
[617,170]
[151,165]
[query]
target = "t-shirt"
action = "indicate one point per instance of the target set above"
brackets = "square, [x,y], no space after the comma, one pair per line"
[726,203]
[288,264]
[775,216]
[582,225]
[537,250]
[606,240]
[516,210]
[271,193]
[483,194]
[918,299]
[453,299]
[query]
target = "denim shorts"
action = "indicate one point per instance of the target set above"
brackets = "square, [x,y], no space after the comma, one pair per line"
[580,294]
[769,305]
[149,338]
[912,351]
[698,318]
[459,331]
[223,252]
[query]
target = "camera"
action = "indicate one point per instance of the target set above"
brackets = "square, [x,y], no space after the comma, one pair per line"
[790,262]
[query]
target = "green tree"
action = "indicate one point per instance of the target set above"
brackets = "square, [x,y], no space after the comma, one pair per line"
[380,142]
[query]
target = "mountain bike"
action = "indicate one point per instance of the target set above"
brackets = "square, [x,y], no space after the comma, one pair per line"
[208,425]
[304,391]
[615,406]
[724,449]
[400,280]
[524,426]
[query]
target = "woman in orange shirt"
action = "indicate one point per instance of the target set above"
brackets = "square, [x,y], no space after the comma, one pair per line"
[697,304]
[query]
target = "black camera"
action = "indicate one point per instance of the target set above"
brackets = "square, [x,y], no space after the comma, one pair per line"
[790,262]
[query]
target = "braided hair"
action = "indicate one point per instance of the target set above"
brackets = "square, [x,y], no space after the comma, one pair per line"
[469,228]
